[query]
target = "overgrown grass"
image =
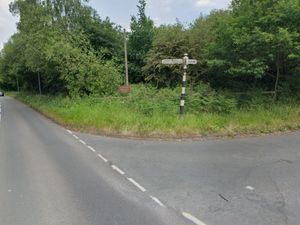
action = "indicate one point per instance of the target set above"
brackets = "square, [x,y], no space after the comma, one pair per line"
[155,114]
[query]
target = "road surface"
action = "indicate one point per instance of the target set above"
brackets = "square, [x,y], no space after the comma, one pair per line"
[49,175]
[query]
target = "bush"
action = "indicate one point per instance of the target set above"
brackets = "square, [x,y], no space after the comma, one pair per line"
[83,73]
[204,99]
[254,99]
[149,100]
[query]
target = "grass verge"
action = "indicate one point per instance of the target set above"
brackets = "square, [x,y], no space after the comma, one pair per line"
[116,116]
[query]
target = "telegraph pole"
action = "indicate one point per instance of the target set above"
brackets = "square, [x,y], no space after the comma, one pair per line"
[126,59]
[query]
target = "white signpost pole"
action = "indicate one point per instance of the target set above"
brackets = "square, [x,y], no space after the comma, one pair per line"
[183,90]
[185,61]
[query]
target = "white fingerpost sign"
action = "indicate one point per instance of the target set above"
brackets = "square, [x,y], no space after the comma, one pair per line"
[185,61]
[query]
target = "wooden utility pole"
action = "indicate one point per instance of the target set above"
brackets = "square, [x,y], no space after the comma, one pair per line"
[126,58]
[125,89]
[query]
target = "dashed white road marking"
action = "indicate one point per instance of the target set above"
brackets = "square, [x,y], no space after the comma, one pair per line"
[137,184]
[118,170]
[157,201]
[140,187]
[91,148]
[82,142]
[131,180]
[250,188]
[192,218]
[75,136]
[102,157]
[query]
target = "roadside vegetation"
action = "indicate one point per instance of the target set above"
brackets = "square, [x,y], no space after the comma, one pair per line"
[148,112]
[67,62]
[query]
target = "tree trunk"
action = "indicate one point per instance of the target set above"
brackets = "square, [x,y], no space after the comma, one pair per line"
[277,81]
[18,87]
[39,82]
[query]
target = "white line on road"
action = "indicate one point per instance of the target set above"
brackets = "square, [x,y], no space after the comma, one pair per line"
[250,188]
[91,148]
[137,184]
[192,218]
[76,137]
[157,201]
[118,170]
[82,142]
[103,158]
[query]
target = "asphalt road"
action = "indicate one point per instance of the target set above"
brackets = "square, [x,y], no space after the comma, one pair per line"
[245,181]
[48,177]
[52,176]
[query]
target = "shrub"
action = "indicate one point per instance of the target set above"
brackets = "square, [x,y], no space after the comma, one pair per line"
[149,100]
[204,99]
[83,73]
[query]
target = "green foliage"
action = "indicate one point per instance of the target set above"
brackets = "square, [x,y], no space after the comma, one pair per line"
[148,100]
[67,44]
[254,99]
[259,39]
[139,43]
[117,115]
[204,99]
[169,42]
[253,46]
[201,34]
[82,72]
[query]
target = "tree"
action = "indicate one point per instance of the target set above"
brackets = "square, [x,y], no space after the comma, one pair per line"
[261,38]
[201,34]
[169,42]
[140,42]
[56,48]
[12,66]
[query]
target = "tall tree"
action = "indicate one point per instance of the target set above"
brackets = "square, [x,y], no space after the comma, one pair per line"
[169,42]
[59,51]
[140,41]
[260,39]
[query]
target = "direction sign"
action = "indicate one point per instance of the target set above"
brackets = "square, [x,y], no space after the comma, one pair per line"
[172,61]
[185,61]
[178,61]
[192,61]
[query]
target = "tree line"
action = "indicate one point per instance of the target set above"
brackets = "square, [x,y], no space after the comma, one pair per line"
[65,47]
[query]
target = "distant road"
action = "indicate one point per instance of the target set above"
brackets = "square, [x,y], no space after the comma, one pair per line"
[47,177]
[53,176]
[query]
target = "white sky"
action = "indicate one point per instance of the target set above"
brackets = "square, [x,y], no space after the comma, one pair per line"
[120,11]
[7,22]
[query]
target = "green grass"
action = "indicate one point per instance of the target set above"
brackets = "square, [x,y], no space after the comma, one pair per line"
[123,116]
